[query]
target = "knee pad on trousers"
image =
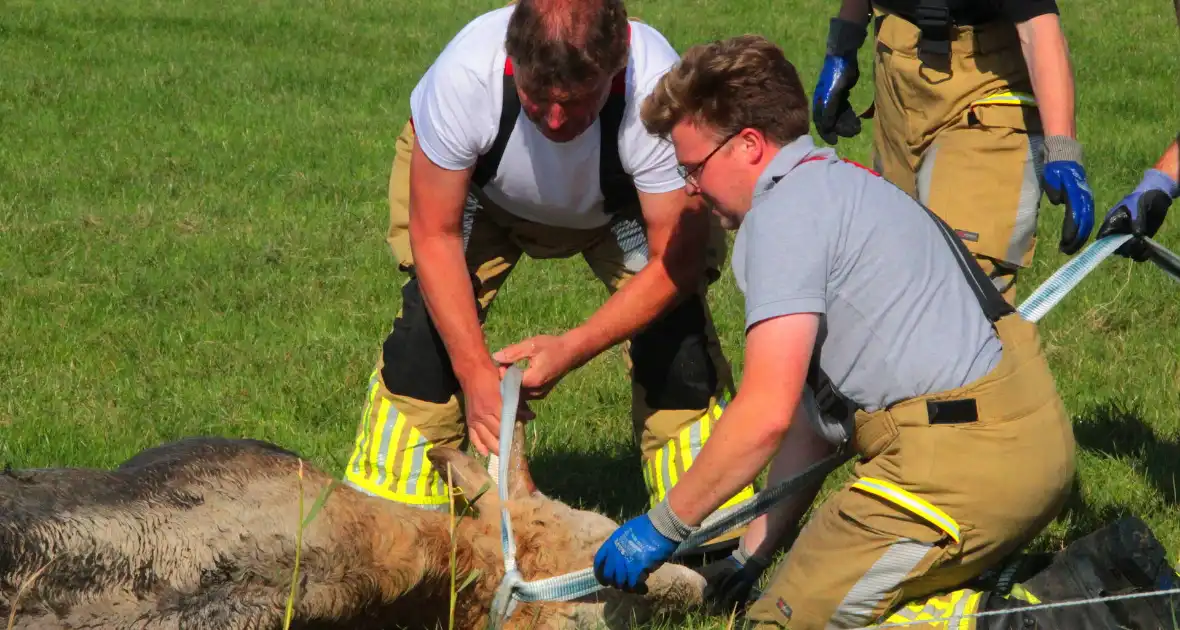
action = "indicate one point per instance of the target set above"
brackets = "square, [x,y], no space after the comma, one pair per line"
[416,363]
[671,359]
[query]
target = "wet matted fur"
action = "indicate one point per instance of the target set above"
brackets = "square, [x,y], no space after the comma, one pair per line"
[201,533]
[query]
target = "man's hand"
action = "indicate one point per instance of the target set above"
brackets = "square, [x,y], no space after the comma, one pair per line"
[482,403]
[550,359]
[831,109]
[639,547]
[1065,183]
[1042,43]
[728,583]
[1141,213]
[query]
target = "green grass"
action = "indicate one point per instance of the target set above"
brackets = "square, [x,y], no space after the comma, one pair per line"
[193,206]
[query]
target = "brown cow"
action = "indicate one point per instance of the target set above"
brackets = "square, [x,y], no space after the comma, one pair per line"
[201,533]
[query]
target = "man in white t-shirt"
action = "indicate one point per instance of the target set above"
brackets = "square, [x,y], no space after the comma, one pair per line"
[525,138]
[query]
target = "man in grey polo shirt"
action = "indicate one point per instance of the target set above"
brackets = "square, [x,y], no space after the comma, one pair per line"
[920,368]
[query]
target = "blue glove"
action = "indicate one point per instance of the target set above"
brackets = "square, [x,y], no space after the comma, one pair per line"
[1065,183]
[637,548]
[831,110]
[1141,213]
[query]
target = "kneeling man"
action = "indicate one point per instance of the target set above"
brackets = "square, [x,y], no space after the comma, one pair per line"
[856,292]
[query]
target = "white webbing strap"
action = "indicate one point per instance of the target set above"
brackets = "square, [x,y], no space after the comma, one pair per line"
[513,588]
[1053,290]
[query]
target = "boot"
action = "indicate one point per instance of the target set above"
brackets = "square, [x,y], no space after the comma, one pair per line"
[1122,558]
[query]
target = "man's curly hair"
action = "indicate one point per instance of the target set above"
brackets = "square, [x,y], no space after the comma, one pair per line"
[567,44]
[730,85]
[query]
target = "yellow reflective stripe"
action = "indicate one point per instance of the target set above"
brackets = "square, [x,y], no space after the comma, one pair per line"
[1007,98]
[658,462]
[969,608]
[1019,592]
[678,455]
[355,461]
[670,459]
[900,497]
[400,497]
[950,611]
[745,493]
[685,439]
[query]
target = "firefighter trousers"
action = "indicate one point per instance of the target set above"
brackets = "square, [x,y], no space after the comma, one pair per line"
[680,379]
[946,486]
[962,134]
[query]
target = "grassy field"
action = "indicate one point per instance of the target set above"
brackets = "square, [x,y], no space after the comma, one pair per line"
[193,205]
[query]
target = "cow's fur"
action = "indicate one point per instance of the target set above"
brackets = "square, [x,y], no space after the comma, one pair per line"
[201,533]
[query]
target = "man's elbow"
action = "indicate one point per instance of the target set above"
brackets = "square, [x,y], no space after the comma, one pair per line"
[425,238]
[687,252]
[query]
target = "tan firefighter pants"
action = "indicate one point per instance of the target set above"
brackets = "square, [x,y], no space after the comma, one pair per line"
[396,429]
[933,504]
[963,137]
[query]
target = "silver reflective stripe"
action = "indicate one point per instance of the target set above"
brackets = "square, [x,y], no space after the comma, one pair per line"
[667,467]
[632,240]
[471,206]
[960,610]
[881,581]
[387,436]
[1030,201]
[926,174]
[419,448]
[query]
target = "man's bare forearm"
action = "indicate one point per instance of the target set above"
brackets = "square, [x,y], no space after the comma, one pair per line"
[1047,56]
[1169,162]
[678,232]
[624,314]
[450,299]
[738,449]
[436,238]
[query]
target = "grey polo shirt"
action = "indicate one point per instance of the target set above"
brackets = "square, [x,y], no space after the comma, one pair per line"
[898,318]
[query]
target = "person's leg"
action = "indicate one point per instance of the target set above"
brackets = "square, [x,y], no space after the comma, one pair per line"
[730,580]
[893,155]
[679,375]
[973,139]
[983,180]
[413,400]
[802,447]
[934,505]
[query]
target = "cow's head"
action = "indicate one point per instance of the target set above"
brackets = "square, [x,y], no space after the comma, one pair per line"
[553,538]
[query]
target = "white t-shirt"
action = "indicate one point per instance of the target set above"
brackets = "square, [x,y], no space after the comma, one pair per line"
[456,112]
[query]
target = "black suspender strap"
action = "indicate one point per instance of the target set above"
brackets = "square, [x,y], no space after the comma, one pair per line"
[990,299]
[834,404]
[933,18]
[487,164]
[618,189]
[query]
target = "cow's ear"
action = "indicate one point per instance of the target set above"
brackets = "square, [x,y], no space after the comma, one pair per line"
[520,481]
[467,479]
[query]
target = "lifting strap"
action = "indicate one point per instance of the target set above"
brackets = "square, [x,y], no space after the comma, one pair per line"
[933,18]
[618,189]
[834,404]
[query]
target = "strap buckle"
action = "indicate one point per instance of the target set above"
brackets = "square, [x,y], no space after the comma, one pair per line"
[935,24]
[829,401]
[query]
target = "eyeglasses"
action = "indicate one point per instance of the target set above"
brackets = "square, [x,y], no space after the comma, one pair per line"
[693,176]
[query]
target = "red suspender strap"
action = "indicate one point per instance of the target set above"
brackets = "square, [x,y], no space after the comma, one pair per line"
[815,158]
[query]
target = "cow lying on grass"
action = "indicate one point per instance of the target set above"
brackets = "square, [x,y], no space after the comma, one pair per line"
[201,533]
